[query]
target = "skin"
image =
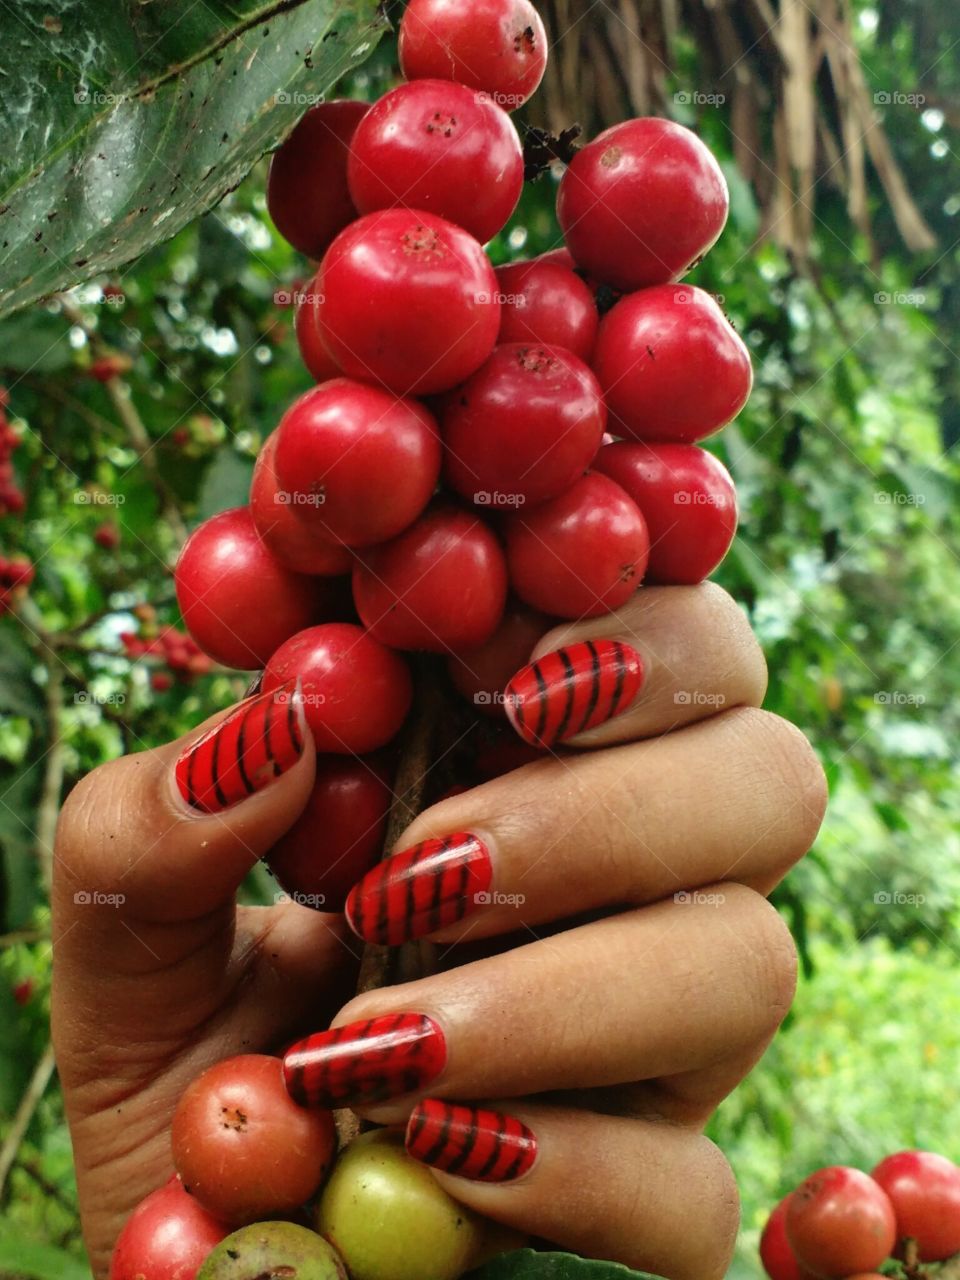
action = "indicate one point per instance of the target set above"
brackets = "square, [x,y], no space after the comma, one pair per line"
[629,1028]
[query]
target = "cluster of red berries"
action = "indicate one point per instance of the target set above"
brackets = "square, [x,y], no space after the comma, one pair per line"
[12,500]
[450,483]
[177,651]
[842,1223]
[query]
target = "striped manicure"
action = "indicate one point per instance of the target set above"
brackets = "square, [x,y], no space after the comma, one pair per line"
[486,1146]
[576,688]
[242,754]
[420,890]
[365,1062]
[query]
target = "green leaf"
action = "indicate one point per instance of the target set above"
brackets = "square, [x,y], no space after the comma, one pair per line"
[525,1264]
[226,483]
[124,121]
[32,1261]
[19,695]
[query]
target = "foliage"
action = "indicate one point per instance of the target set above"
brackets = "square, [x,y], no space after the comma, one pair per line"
[846,562]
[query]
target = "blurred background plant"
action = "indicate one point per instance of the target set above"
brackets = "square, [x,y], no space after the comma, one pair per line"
[136,404]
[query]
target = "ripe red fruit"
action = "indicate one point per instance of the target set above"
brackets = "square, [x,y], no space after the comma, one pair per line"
[671,365]
[688,501]
[313,350]
[779,1260]
[840,1222]
[107,536]
[282,525]
[481,674]
[409,301]
[544,302]
[307,194]
[356,691]
[22,992]
[642,203]
[439,146]
[166,1237]
[237,601]
[103,368]
[358,463]
[498,46]
[161,681]
[338,836]
[243,1147]
[439,586]
[924,1189]
[580,555]
[523,427]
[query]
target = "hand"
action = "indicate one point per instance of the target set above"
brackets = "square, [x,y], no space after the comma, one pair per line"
[635,1024]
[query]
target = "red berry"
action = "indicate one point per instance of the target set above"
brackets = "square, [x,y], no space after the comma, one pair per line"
[498,46]
[358,463]
[840,1222]
[307,194]
[580,555]
[313,351]
[338,836]
[160,681]
[167,1237]
[688,501]
[409,301]
[237,601]
[642,203]
[924,1189]
[356,691]
[107,536]
[19,573]
[22,992]
[544,302]
[523,428]
[103,368]
[481,674]
[439,146]
[671,365]
[243,1147]
[283,528]
[439,586]
[779,1260]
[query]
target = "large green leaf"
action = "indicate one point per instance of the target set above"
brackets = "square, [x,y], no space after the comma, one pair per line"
[123,121]
[23,1258]
[525,1264]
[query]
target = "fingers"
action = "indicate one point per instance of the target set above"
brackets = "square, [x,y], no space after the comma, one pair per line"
[738,797]
[669,989]
[652,1196]
[672,656]
[167,835]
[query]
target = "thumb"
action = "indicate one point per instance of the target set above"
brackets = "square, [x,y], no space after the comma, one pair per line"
[167,835]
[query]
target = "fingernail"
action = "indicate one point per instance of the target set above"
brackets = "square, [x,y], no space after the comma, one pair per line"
[421,889]
[486,1146]
[244,753]
[572,690]
[365,1062]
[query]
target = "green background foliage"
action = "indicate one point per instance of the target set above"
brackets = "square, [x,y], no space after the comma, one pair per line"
[846,561]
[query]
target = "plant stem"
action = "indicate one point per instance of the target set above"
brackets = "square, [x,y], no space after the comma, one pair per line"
[24,1114]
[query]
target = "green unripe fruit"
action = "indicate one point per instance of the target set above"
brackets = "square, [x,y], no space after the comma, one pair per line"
[390,1219]
[269,1250]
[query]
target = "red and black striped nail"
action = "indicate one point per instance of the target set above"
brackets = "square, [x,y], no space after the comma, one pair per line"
[242,754]
[576,688]
[365,1062]
[421,889]
[471,1142]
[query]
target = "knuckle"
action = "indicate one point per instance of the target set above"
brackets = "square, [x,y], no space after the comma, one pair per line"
[787,759]
[771,955]
[720,1239]
[732,626]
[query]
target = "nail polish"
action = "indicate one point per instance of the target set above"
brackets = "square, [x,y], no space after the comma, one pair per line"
[572,690]
[243,753]
[486,1146]
[421,889]
[365,1062]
